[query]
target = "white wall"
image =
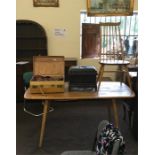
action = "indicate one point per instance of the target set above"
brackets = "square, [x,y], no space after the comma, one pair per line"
[66,16]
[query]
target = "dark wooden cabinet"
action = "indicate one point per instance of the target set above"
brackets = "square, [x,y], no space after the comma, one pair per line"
[91,41]
[31,40]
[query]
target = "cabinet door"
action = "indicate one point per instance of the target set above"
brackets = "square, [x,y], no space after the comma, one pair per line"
[90,40]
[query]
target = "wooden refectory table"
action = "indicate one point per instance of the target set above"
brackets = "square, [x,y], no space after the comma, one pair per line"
[108,90]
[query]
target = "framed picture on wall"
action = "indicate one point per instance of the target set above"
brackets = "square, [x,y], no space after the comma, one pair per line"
[110,7]
[45,3]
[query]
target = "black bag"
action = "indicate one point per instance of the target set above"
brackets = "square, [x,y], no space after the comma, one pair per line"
[108,140]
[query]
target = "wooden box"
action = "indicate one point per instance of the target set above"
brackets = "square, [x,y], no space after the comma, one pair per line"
[48,74]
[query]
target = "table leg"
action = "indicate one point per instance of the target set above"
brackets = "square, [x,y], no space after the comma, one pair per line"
[100,75]
[128,78]
[109,112]
[44,116]
[114,105]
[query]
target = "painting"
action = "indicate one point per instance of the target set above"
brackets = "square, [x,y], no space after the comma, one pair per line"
[45,3]
[110,7]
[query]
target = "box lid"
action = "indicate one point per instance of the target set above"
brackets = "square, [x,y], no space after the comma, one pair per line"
[48,65]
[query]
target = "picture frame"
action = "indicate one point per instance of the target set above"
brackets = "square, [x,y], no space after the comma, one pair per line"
[110,7]
[46,3]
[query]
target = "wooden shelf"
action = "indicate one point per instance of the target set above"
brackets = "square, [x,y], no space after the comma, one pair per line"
[31,41]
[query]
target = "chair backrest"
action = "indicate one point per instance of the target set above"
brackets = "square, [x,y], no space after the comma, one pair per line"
[26,78]
[111,42]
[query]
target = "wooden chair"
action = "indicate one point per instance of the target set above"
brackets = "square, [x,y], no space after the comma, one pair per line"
[112,53]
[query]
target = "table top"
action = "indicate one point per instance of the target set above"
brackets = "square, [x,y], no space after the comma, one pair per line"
[107,90]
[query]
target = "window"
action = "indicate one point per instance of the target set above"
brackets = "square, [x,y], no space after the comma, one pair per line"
[90,33]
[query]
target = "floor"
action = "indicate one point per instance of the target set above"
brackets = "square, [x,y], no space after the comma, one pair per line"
[71,126]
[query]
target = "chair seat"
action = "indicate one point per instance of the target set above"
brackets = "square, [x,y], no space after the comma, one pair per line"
[114,62]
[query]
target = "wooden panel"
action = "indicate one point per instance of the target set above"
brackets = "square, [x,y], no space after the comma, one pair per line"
[90,40]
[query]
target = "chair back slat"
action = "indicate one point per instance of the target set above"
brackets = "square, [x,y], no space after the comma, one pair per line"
[111,46]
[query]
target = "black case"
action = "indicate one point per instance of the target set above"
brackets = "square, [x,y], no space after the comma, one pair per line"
[82,78]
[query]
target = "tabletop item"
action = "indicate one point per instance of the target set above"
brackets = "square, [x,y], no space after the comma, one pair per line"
[109,140]
[48,74]
[82,78]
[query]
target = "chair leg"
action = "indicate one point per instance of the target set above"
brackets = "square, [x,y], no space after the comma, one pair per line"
[100,75]
[114,107]
[36,114]
[124,112]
